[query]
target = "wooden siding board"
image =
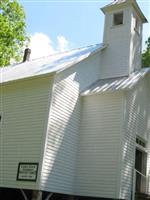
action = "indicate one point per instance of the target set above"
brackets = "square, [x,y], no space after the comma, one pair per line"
[24,107]
[136,117]
[147,82]
[99,141]
[59,164]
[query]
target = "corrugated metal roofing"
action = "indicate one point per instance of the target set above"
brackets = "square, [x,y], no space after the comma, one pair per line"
[114,84]
[49,64]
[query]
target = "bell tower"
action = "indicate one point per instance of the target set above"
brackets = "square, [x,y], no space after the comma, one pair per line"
[123,37]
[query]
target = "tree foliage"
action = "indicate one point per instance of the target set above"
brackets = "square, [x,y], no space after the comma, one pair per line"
[12,31]
[146,55]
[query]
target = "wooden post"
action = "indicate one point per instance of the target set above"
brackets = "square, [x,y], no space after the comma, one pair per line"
[134,184]
[36,195]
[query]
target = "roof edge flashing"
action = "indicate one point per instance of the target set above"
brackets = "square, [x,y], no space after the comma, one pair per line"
[51,74]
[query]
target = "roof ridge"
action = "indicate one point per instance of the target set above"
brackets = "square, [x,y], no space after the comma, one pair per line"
[57,53]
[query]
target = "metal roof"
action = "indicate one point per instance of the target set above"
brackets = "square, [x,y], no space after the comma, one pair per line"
[115,2]
[46,65]
[115,84]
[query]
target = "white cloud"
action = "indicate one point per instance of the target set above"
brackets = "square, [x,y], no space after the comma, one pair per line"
[63,43]
[41,45]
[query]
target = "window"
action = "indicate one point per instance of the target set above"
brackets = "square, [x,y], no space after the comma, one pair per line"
[140,161]
[118,19]
[140,165]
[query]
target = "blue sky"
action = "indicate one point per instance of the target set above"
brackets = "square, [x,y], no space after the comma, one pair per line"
[69,24]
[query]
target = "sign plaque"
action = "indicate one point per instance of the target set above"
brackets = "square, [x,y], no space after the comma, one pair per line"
[27,171]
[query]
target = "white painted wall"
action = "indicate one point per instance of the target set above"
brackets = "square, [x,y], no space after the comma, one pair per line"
[148,128]
[24,109]
[115,58]
[135,43]
[99,152]
[137,123]
[95,145]
[59,164]
[107,141]
[123,54]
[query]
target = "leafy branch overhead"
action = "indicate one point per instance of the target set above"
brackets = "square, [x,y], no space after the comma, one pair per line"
[12,31]
[146,55]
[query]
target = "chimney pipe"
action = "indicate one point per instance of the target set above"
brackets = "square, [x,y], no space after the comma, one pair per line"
[27,53]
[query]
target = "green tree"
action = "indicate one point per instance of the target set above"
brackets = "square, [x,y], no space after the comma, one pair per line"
[146,55]
[12,31]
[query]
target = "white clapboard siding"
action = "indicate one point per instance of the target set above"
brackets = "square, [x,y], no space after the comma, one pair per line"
[59,162]
[24,111]
[100,146]
[148,128]
[123,54]
[136,123]
[116,57]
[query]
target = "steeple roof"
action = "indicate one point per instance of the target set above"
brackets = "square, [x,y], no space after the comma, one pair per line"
[122,3]
[116,2]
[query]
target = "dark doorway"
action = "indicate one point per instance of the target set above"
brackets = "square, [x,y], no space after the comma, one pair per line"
[140,166]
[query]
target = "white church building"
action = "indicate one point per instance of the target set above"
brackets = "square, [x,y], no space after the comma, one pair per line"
[77,124]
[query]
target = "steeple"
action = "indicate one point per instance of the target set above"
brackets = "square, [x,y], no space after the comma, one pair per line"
[123,35]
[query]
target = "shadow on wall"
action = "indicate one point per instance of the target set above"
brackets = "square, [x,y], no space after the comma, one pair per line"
[59,165]
[136,118]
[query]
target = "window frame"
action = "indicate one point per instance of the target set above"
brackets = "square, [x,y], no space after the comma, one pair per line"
[118,14]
